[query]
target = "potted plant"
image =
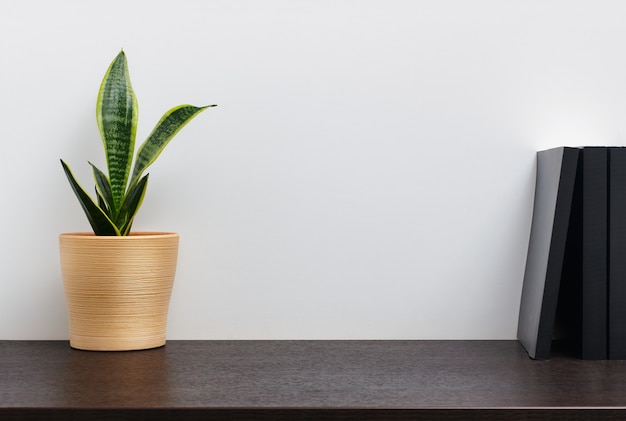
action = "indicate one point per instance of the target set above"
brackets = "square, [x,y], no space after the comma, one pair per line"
[118,283]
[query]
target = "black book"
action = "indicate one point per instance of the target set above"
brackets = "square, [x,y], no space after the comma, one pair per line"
[554,190]
[594,253]
[617,254]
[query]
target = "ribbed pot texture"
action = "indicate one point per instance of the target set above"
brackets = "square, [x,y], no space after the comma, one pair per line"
[118,289]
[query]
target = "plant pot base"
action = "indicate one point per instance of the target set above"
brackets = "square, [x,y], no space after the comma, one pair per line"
[90,345]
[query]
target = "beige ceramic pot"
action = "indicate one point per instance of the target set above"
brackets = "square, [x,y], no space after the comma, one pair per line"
[118,289]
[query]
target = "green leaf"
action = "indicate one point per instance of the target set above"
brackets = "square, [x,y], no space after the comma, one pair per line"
[132,203]
[116,113]
[102,204]
[99,221]
[118,197]
[103,188]
[170,124]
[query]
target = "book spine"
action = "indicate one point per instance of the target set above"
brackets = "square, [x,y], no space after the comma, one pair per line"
[594,254]
[554,191]
[617,254]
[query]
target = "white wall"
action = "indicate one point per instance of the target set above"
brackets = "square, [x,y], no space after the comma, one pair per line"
[369,171]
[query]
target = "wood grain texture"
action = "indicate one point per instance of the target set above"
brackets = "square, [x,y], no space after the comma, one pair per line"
[118,289]
[347,380]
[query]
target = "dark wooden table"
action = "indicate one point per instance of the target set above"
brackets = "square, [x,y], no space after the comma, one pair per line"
[305,380]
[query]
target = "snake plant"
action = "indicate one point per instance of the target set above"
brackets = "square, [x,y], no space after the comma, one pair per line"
[120,194]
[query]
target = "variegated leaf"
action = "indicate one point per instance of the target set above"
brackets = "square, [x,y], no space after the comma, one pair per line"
[170,124]
[99,221]
[116,113]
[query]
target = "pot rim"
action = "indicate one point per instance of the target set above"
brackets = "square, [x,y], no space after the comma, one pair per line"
[133,235]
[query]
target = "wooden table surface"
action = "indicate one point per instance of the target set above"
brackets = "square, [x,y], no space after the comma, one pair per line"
[305,380]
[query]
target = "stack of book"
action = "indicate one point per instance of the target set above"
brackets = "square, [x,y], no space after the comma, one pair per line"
[575,280]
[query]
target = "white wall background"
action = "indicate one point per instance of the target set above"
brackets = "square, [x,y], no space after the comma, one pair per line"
[369,171]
